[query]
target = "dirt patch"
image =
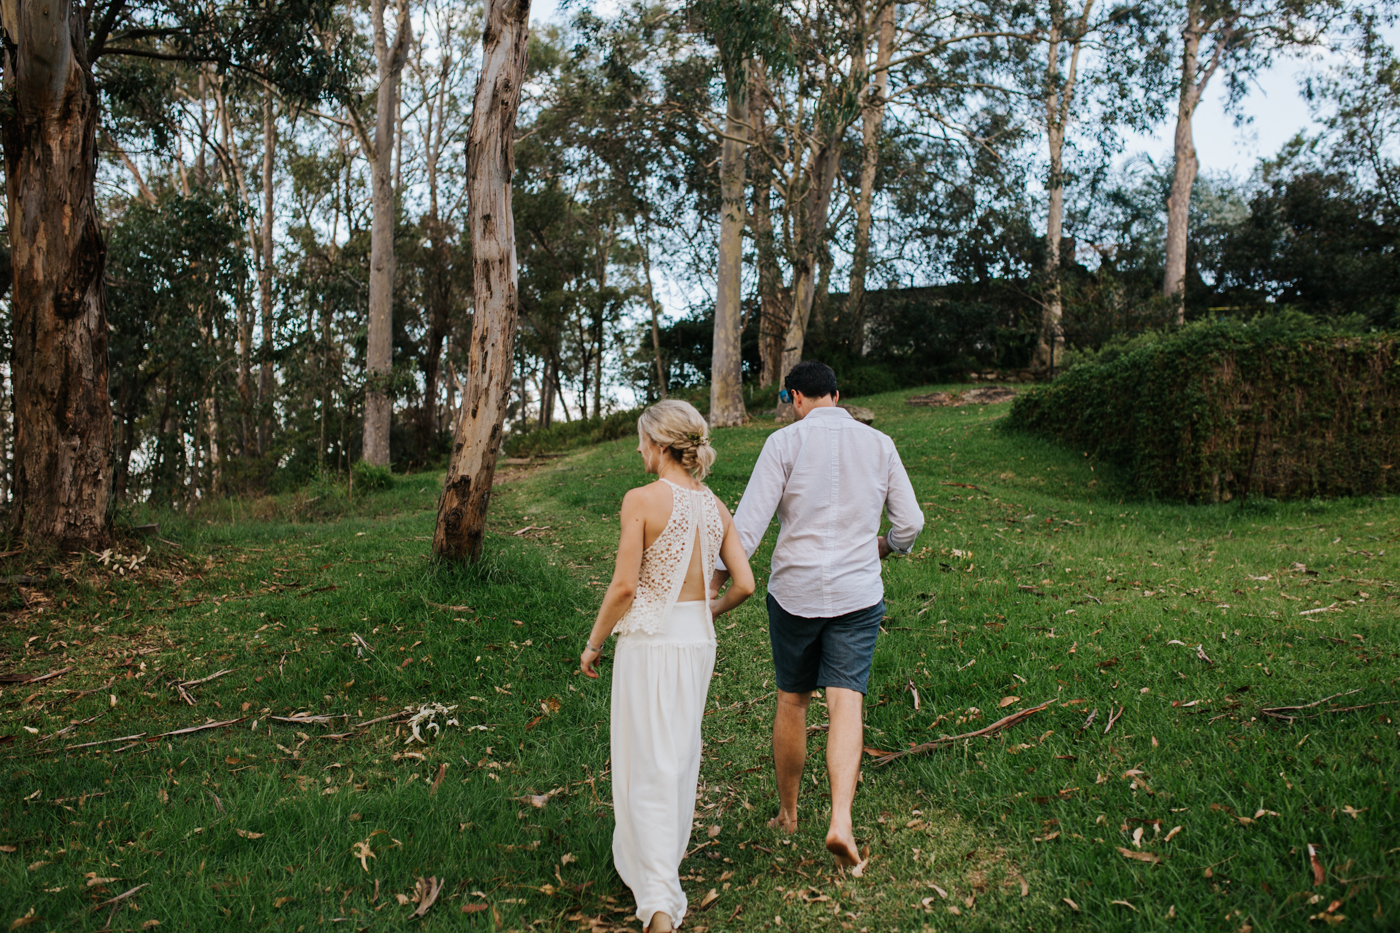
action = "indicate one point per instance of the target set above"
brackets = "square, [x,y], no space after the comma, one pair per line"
[986,395]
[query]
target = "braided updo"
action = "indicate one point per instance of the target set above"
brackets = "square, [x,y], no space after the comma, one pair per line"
[681,432]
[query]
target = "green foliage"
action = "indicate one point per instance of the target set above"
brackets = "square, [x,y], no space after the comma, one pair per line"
[1284,406]
[568,435]
[369,478]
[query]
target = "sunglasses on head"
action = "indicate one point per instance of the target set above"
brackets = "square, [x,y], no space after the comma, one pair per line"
[785,396]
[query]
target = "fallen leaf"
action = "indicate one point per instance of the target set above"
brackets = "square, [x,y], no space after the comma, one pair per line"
[1262,812]
[1007,701]
[1175,830]
[712,832]
[709,899]
[1149,857]
[9,848]
[282,901]
[535,800]
[26,920]
[1351,812]
[427,892]
[92,879]
[437,781]
[1319,875]
[1048,837]
[473,908]
[953,909]
[1329,919]
[1125,904]
[403,899]
[363,851]
[1025,887]
[566,858]
[1072,905]
[247,835]
[1137,838]
[150,924]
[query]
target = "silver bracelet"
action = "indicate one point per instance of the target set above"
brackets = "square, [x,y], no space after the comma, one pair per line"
[590,647]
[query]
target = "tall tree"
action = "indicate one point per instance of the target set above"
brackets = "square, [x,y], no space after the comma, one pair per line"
[1242,37]
[872,114]
[742,32]
[1065,32]
[390,56]
[466,494]
[63,422]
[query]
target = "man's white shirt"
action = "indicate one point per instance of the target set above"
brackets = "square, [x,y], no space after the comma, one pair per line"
[828,478]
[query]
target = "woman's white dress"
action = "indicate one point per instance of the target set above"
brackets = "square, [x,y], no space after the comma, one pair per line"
[661,676]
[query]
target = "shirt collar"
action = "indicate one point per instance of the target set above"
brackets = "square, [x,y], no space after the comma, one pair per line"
[829,412]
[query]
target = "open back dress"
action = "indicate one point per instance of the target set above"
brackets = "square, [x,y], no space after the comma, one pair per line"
[661,677]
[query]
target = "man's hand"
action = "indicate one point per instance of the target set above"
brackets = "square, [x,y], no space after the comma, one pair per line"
[717,582]
[885,549]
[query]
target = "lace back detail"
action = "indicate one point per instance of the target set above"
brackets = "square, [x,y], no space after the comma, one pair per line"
[665,563]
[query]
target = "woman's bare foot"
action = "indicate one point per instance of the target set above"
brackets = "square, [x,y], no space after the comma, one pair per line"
[660,923]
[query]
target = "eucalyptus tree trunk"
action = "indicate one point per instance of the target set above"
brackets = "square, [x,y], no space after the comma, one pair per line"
[466,494]
[821,176]
[726,366]
[872,115]
[62,411]
[379,351]
[1059,97]
[1185,165]
[773,309]
[265,386]
[644,237]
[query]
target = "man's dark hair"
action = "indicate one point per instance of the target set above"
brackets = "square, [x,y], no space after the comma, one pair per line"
[812,378]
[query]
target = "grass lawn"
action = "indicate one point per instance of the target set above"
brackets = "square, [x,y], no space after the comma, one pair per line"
[1038,578]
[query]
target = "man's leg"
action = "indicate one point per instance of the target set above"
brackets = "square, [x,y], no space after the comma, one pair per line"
[844,744]
[789,755]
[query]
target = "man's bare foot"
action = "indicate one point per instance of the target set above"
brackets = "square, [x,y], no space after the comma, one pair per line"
[787,824]
[660,923]
[842,845]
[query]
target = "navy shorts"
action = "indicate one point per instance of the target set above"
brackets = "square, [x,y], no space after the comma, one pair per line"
[834,652]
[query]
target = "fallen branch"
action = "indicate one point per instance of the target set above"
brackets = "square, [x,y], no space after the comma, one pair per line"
[207,725]
[442,606]
[1003,723]
[315,720]
[181,685]
[1281,712]
[402,714]
[33,678]
[124,895]
[124,738]
[1112,717]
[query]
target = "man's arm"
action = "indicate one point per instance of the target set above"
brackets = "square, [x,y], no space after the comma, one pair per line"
[902,506]
[760,501]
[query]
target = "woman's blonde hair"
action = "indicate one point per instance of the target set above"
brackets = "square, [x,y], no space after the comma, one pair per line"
[681,432]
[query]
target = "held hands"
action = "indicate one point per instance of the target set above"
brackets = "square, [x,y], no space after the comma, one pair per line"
[885,549]
[717,581]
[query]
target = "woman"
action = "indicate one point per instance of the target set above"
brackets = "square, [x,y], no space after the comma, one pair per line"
[659,606]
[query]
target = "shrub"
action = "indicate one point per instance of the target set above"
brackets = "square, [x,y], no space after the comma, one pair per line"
[567,435]
[368,477]
[1283,407]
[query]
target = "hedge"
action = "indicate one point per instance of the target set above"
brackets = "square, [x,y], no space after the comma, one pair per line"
[1228,409]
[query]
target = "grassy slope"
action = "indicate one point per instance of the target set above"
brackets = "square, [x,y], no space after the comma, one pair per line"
[1113,581]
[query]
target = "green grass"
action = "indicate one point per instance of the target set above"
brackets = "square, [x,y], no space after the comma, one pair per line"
[1040,579]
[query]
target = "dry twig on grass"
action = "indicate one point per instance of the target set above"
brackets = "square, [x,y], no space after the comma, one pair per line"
[1003,723]
[1281,712]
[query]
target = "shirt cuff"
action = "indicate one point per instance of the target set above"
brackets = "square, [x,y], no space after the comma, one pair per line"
[898,548]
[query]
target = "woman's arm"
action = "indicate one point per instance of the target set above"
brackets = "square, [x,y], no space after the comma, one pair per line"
[618,599]
[731,551]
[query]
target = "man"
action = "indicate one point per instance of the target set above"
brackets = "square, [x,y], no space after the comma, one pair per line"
[828,477]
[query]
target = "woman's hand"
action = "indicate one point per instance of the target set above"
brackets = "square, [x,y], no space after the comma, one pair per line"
[587,659]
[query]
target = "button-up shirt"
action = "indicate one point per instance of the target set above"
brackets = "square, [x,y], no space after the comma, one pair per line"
[828,477]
